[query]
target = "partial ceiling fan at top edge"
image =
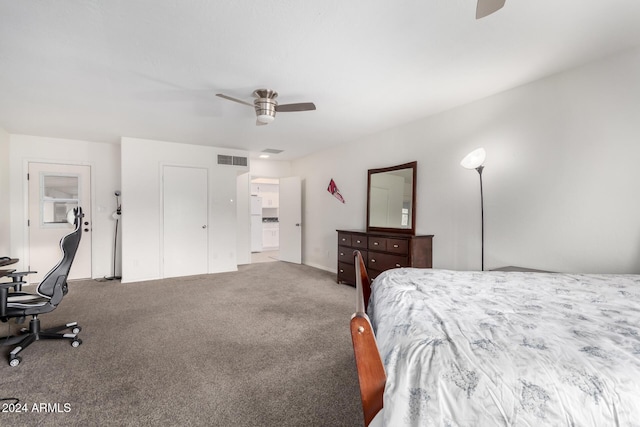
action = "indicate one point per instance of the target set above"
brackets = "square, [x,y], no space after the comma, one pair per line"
[487,7]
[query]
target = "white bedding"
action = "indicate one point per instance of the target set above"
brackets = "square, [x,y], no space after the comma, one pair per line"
[507,348]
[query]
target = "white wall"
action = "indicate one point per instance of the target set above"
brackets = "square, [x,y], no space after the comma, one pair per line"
[142,161]
[104,160]
[561,183]
[270,168]
[5,248]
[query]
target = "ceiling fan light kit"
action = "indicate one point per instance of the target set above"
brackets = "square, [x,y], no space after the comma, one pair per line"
[266,105]
[266,117]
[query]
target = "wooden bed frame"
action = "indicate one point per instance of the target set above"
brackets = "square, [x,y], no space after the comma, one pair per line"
[371,375]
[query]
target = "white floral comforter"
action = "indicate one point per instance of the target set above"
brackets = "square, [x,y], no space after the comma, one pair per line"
[508,349]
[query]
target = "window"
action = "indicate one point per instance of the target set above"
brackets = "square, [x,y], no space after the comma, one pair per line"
[58,195]
[405,217]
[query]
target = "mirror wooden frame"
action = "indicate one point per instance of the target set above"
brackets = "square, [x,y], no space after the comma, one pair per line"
[412,229]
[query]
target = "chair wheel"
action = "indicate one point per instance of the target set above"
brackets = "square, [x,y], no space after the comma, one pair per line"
[15,361]
[76,343]
[76,330]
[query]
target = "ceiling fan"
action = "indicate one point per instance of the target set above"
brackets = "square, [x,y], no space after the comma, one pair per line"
[487,7]
[266,105]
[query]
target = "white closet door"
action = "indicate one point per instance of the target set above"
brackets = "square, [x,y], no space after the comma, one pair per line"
[185,221]
[290,219]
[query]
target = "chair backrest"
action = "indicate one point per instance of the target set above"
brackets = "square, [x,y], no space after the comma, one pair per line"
[54,283]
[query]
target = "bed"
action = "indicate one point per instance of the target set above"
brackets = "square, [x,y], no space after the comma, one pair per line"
[505,348]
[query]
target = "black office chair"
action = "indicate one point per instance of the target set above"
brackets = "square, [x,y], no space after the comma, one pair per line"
[50,291]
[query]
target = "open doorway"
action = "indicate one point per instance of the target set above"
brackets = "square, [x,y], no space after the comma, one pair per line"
[265,226]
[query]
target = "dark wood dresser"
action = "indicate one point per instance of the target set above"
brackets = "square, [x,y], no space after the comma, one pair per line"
[381,251]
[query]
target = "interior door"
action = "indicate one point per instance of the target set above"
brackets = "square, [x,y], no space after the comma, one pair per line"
[185,221]
[53,190]
[290,218]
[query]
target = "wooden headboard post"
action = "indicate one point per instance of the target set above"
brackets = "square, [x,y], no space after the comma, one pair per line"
[371,375]
[363,286]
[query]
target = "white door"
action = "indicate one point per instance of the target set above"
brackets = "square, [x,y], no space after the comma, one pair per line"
[290,218]
[185,220]
[54,189]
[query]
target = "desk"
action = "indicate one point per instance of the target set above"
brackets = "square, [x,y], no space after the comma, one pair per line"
[7,261]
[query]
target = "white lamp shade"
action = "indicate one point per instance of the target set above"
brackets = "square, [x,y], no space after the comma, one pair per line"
[474,159]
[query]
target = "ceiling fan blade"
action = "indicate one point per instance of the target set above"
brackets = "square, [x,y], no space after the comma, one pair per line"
[302,106]
[487,7]
[222,95]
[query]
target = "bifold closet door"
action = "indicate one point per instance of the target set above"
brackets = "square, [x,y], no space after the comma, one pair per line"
[185,221]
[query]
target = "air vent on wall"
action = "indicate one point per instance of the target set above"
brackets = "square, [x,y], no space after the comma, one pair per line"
[239,161]
[225,160]
[232,160]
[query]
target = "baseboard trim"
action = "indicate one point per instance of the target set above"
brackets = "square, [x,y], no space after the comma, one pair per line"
[321,267]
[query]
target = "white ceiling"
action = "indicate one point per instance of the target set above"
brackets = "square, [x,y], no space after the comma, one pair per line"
[98,70]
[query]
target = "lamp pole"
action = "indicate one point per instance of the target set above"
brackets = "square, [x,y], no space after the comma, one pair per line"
[475,160]
[479,169]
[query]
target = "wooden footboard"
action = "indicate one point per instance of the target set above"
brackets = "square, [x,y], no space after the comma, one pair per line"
[371,375]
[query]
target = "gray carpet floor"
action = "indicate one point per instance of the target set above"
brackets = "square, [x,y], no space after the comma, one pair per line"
[268,345]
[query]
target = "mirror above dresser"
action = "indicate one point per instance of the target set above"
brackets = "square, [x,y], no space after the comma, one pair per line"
[391,198]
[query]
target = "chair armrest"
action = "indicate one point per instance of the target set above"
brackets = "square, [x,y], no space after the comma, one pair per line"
[17,276]
[4,292]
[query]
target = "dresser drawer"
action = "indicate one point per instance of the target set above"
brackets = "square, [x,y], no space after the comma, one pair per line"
[377,243]
[359,241]
[346,273]
[398,246]
[380,261]
[345,254]
[373,274]
[344,239]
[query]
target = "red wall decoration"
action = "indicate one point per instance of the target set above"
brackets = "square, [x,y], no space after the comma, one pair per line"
[333,189]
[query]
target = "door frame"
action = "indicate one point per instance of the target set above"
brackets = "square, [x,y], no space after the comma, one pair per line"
[25,260]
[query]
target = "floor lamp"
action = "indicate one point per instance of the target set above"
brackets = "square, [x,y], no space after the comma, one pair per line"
[116,215]
[475,160]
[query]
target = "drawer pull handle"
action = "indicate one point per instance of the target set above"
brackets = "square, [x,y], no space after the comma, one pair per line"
[344,240]
[341,271]
[375,243]
[397,265]
[395,246]
[373,260]
[341,253]
[357,241]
